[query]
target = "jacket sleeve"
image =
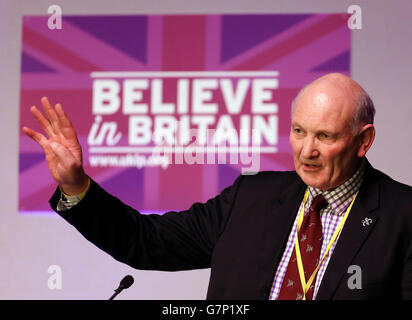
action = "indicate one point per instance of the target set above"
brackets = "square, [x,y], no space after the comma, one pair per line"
[170,242]
[407,261]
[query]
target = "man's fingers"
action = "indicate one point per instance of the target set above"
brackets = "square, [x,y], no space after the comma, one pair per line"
[40,139]
[65,123]
[45,124]
[51,114]
[64,120]
[36,136]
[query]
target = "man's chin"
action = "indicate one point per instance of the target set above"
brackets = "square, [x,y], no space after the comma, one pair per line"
[311,181]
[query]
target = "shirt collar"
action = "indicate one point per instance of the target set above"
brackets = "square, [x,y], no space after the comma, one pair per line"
[340,197]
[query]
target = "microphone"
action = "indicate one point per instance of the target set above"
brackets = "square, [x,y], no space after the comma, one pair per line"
[126,282]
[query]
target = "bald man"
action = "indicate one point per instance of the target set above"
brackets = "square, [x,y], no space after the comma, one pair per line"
[335,228]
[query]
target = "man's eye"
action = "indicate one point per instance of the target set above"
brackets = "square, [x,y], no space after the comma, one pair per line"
[297,130]
[325,136]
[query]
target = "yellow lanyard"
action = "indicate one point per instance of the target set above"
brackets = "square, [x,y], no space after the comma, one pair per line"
[306,286]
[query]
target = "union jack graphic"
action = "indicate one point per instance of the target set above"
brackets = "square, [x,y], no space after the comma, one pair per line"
[58,64]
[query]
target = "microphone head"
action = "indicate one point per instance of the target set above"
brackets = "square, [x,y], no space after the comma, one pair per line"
[126,282]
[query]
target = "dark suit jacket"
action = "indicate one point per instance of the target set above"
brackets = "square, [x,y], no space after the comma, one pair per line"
[241,234]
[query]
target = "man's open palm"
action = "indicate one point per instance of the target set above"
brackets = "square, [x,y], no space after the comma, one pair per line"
[61,147]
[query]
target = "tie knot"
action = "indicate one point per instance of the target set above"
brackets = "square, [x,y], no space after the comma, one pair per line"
[318,203]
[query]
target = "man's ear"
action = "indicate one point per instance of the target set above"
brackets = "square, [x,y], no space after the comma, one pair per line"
[365,139]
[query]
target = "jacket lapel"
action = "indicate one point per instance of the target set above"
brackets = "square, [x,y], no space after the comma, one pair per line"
[280,214]
[361,220]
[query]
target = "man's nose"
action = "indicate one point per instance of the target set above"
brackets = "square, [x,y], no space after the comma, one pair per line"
[310,148]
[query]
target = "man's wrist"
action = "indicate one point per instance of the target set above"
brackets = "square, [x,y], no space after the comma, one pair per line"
[69,191]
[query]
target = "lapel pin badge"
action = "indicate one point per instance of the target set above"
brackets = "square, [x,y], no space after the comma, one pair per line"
[366,222]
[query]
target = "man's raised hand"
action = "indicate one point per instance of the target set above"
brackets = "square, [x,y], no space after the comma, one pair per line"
[61,147]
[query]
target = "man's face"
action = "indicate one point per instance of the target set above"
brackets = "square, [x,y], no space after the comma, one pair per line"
[324,148]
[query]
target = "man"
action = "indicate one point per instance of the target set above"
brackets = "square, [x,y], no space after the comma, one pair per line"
[265,237]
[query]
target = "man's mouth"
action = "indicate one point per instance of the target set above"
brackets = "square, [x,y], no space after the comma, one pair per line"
[311,166]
